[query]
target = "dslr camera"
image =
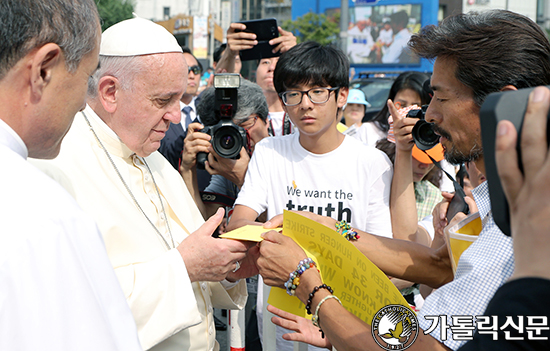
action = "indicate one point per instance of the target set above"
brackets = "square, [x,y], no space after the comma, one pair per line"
[425,138]
[227,137]
[423,134]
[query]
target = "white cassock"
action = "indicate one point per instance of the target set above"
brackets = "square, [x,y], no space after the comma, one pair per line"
[58,290]
[171,313]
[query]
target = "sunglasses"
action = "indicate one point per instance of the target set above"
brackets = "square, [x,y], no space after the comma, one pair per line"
[195,69]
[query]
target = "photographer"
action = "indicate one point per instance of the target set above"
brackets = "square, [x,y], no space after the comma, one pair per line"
[237,40]
[228,173]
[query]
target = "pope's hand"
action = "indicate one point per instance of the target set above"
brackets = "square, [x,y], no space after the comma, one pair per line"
[210,259]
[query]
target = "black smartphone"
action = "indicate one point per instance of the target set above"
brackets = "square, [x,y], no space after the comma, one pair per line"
[265,30]
[511,106]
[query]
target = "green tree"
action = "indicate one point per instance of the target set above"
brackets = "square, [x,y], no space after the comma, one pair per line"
[315,27]
[114,11]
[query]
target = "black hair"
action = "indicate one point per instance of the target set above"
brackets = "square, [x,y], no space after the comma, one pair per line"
[491,49]
[310,63]
[218,52]
[186,50]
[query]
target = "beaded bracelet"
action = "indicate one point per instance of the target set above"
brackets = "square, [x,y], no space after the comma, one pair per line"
[347,231]
[294,277]
[311,294]
[315,318]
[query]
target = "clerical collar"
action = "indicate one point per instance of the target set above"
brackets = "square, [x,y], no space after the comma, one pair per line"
[101,124]
[109,138]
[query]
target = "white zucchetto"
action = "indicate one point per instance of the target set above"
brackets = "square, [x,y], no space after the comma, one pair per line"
[137,36]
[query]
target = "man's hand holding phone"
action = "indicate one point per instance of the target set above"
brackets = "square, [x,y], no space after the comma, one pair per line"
[238,39]
[257,39]
[283,42]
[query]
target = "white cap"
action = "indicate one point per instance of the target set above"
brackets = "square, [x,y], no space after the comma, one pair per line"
[137,36]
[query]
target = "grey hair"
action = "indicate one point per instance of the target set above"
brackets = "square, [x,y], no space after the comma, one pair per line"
[124,68]
[250,100]
[28,24]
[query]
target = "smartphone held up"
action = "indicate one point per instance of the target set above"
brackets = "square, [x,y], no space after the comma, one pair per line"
[265,30]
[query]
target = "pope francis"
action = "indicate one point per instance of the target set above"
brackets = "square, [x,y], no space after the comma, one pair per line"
[172,271]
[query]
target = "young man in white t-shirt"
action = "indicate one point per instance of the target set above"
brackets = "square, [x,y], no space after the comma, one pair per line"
[317,169]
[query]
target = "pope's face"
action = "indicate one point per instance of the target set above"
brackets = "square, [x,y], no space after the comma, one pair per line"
[144,112]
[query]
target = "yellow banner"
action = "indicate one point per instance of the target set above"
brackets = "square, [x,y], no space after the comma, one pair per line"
[357,282]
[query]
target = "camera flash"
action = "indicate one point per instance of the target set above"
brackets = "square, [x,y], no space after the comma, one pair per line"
[227,80]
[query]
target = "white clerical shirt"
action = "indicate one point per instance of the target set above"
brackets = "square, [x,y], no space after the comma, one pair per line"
[171,313]
[58,290]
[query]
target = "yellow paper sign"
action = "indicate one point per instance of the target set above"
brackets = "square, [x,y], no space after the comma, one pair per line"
[248,233]
[357,282]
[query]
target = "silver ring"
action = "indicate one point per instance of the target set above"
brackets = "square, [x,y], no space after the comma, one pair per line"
[238,265]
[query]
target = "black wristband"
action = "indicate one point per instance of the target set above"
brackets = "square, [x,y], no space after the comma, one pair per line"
[311,294]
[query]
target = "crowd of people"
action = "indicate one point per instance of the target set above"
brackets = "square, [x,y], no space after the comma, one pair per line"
[109,238]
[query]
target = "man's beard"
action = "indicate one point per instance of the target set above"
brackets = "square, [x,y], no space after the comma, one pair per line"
[455,156]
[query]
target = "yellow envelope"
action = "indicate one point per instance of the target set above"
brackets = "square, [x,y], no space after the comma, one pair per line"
[248,233]
[357,282]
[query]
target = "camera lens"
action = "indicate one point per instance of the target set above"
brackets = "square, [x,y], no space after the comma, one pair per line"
[424,135]
[227,141]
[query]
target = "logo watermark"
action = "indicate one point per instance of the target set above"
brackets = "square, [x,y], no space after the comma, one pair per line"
[394,327]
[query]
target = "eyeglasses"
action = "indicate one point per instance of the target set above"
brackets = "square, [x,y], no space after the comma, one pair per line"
[248,123]
[315,95]
[196,70]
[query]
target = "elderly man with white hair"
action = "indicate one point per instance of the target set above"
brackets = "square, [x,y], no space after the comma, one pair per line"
[172,271]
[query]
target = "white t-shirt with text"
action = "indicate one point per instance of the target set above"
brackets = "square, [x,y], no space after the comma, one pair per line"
[351,182]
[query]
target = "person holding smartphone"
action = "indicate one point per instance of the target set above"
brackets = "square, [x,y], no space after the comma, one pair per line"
[237,40]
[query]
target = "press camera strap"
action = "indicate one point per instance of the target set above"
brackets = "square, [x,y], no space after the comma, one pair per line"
[457,203]
[287,126]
